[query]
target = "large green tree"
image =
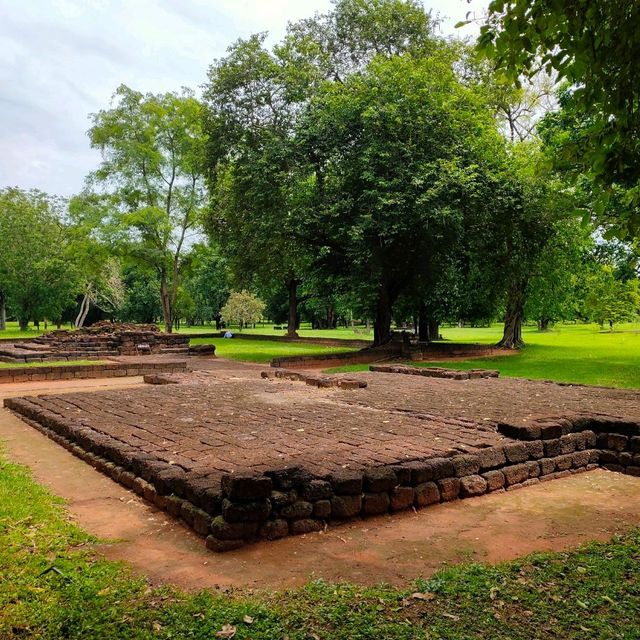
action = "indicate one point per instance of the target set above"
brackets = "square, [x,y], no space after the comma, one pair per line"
[38,275]
[153,168]
[400,143]
[593,46]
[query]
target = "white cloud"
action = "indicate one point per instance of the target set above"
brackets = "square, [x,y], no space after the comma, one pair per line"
[62,60]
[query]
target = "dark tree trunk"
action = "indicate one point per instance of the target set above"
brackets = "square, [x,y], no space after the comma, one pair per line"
[512,333]
[292,321]
[543,324]
[434,329]
[3,312]
[423,324]
[382,322]
[428,326]
[23,323]
[165,300]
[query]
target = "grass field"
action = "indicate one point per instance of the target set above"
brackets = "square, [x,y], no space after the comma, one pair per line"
[52,586]
[568,353]
[263,350]
[57,363]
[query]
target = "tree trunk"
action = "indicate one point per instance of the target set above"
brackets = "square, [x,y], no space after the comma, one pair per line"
[23,323]
[3,312]
[543,324]
[512,333]
[428,326]
[434,329]
[293,309]
[165,300]
[84,310]
[382,321]
[423,324]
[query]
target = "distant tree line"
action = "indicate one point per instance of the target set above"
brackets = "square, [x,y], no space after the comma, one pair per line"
[364,170]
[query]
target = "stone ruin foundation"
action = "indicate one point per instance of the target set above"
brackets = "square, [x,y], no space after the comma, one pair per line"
[242,465]
[101,340]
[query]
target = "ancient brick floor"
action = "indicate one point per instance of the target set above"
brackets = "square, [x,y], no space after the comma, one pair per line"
[188,437]
[226,424]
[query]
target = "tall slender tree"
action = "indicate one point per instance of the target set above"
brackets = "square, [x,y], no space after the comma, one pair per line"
[153,168]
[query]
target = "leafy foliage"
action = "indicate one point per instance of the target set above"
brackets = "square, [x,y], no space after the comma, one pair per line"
[242,308]
[152,167]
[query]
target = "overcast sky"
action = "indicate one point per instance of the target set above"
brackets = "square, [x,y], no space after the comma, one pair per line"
[63,59]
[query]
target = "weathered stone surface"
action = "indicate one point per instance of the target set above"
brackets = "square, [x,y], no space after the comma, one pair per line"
[401,498]
[495,480]
[403,475]
[534,468]
[223,530]
[246,487]
[473,485]
[347,483]
[374,503]
[322,508]
[547,466]
[317,490]
[465,465]
[516,452]
[580,458]
[567,443]
[297,510]
[167,481]
[246,511]
[491,458]
[427,493]
[515,474]
[288,478]
[420,472]
[346,506]
[379,479]
[535,449]
[449,488]
[564,462]
[281,499]
[617,442]
[274,529]
[441,468]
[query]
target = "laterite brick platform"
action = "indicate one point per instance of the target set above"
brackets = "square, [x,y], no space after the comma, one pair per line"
[99,370]
[243,458]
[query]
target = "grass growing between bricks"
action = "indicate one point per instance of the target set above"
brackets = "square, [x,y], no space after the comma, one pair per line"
[53,586]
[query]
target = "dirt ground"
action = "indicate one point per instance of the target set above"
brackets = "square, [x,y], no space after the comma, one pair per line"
[549,516]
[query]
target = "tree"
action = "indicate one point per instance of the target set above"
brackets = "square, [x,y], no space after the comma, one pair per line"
[399,143]
[38,277]
[207,283]
[260,178]
[141,302]
[253,97]
[593,46]
[93,252]
[560,273]
[611,300]
[242,308]
[152,167]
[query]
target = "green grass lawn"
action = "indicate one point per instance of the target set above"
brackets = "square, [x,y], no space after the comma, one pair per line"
[263,350]
[52,586]
[305,331]
[14,331]
[567,353]
[56,363]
